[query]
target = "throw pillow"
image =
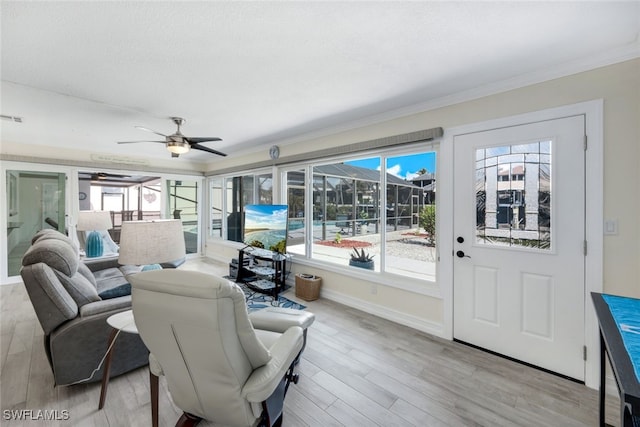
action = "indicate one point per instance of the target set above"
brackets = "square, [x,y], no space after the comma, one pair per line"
[118,291]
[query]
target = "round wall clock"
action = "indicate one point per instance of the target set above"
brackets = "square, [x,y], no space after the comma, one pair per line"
[274,152]
[82,196]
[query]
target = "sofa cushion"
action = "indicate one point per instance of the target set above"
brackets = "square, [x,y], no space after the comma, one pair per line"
[56,253]
[84,270]
[108,279]
[81,290]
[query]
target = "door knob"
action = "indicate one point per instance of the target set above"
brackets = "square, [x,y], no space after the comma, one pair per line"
[460,254]
[460,239]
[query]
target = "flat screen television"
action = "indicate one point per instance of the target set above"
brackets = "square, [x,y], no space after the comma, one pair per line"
[265,227]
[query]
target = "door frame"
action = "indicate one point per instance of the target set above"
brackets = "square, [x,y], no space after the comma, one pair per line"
[594,213]
[70,203]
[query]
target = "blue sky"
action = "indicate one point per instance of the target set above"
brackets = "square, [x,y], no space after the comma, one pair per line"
[404,167]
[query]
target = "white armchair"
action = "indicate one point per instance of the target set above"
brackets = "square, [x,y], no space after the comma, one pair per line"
[217,366]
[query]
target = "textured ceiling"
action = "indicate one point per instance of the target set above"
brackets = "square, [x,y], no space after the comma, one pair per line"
[83,74]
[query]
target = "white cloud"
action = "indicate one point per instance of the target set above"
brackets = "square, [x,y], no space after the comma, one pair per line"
[395,170]
[410,175]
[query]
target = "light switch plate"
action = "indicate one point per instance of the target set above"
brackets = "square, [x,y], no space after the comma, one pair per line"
[611,227]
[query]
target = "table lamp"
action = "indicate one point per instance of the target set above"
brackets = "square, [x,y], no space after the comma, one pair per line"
[151,242]
[95,222]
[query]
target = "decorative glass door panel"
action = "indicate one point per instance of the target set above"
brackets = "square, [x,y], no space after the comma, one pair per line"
[513,195]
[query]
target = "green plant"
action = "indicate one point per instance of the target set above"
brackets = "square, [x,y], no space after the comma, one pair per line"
[257,244]
[361,255]
[428,221]
[279,247]
[338,238]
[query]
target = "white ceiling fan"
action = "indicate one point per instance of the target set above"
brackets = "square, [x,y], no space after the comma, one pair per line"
[177,143]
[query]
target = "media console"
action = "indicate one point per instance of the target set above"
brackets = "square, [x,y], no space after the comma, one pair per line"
[262,270]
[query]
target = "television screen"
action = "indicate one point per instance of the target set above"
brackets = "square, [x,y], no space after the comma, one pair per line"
[265,226]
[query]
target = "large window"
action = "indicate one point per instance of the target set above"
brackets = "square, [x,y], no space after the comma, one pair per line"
[410,240]
[228,196]
[382,205]
[346,200]
[297,211]
[125,197]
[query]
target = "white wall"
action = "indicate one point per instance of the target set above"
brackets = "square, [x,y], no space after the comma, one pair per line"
[618,85]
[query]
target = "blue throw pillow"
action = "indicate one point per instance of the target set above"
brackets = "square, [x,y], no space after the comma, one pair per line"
[118,291]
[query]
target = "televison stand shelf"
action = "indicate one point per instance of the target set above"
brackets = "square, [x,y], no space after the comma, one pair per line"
[266,273]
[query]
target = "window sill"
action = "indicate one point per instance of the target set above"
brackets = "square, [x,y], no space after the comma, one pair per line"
[417,286]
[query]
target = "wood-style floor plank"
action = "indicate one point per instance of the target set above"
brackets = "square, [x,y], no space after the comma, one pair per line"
[357,370]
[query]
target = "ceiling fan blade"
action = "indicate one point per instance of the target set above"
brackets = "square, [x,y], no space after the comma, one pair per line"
[192,140]
[207,149]
[135,142]
[150,130]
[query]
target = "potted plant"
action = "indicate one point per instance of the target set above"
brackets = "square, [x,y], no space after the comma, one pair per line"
[360,258]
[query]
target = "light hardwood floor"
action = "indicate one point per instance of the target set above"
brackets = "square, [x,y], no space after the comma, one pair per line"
[357,370]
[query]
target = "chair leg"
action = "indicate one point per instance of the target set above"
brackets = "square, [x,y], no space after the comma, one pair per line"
[153,383]
[188,420]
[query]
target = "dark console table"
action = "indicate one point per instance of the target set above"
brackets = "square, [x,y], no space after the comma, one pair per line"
[612,343]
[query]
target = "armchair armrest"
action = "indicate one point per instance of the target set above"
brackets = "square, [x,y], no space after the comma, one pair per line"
[98,307]
[264,380]
[278,319]
[101,263]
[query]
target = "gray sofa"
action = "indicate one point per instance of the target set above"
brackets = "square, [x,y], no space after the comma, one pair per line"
[66,295]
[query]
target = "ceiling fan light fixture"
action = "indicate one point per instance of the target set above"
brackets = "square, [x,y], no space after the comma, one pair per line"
[178,147]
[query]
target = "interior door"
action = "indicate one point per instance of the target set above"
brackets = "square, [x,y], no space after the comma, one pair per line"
[519,283]
[35,201]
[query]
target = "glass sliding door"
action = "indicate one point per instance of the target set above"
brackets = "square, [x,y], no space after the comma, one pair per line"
[35,201]
[182,203]
[295,189]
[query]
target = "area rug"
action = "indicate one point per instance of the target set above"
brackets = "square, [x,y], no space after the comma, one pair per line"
[257,300]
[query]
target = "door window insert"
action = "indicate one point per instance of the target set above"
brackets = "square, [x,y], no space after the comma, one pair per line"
[513,195]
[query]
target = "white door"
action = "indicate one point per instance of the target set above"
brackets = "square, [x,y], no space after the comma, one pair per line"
[519,227]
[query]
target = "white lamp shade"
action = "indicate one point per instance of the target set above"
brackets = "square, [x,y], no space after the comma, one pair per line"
[151,242]
[94,220]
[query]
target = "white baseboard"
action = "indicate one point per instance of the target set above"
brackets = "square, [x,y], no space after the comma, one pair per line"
[414,322]
[12,280]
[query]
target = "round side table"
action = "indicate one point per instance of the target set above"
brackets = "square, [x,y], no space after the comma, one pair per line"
[120,322]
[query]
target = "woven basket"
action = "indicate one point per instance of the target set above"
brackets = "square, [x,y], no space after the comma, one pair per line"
[308,287]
